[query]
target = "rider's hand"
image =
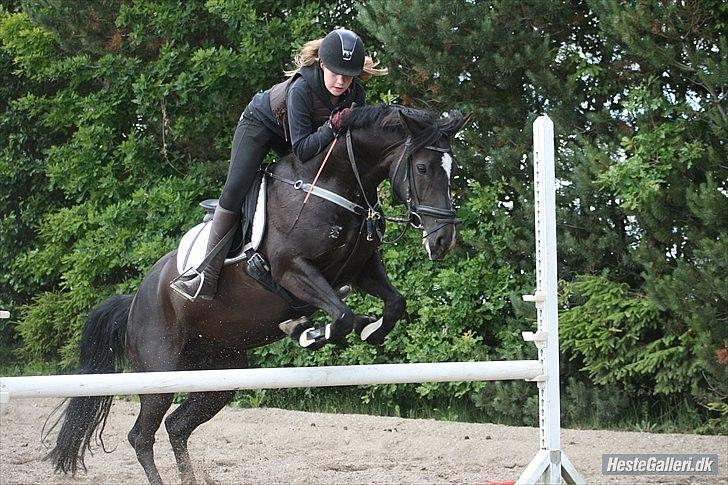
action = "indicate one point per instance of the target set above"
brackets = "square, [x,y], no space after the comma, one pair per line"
[338,118]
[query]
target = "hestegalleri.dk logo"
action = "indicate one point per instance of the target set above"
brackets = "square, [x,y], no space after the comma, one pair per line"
[660,464]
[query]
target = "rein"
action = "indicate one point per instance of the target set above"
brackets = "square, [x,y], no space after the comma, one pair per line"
[312,185]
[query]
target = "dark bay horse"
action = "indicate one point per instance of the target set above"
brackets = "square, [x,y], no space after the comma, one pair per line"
[310,251]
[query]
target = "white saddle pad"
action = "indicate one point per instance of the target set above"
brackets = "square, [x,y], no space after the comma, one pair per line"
[193,247]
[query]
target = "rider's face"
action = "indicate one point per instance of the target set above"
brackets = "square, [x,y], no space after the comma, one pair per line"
[336,84]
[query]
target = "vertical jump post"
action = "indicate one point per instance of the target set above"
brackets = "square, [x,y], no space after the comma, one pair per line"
[550,464]
[4,396]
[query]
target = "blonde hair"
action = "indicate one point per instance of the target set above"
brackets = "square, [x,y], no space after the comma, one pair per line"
[308,56]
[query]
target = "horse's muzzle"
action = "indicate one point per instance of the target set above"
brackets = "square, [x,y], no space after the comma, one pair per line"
[440,241]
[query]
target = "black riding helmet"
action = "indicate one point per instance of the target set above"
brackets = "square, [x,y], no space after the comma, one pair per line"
[342,51]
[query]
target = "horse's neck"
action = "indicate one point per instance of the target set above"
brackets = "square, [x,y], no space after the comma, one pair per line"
[369,150]
[371,158]
[372,154]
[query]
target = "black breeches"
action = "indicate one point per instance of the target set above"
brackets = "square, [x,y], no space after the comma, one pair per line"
[251,143]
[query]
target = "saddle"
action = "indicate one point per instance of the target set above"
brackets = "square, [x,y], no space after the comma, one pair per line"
[193,246]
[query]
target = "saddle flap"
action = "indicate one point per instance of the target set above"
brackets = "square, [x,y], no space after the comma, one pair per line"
[193,246]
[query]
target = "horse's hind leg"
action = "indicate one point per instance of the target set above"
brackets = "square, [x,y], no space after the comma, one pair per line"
[141,436]
[198,408]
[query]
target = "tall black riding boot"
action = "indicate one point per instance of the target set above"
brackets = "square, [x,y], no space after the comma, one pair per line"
[203,284]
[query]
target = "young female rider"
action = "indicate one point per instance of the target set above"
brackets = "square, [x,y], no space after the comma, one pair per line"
[302,113]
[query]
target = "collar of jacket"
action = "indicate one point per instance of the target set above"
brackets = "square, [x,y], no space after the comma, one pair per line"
[314,76]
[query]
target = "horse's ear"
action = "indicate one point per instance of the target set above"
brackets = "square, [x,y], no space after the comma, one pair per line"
[466,120]
[406,123]
[455,122]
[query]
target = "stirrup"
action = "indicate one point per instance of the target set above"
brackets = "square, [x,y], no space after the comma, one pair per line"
[188,275]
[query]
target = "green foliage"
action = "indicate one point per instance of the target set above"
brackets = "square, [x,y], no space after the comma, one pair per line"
[116,118]
[637,94]
[616,336]
[116,126]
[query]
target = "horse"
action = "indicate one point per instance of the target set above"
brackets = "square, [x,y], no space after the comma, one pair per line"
[310,249]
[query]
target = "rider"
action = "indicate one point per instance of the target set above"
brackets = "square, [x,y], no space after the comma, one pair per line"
[304,113]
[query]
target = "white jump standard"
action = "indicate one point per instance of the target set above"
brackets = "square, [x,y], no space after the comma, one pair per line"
[550,463]
[548,466]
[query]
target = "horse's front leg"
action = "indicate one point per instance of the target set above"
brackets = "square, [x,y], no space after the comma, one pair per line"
[374,281]
[306,282]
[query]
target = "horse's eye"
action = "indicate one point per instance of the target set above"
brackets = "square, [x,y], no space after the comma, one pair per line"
[421,168]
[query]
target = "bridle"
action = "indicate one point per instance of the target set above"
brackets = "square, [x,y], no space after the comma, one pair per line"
[415,210]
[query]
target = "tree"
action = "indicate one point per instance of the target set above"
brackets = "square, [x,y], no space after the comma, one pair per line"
[637,94]
[117,126]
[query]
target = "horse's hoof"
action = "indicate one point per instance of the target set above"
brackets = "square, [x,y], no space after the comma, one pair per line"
[295,327]
[361,321]
[315,338]
[343,292]
[371,329]
[301,330]
[366,325]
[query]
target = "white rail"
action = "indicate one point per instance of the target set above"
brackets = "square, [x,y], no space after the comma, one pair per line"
[272,378]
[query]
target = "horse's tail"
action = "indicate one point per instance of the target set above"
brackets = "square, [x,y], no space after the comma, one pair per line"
[102,352]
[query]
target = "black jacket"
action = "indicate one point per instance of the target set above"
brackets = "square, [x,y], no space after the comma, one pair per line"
[308,107]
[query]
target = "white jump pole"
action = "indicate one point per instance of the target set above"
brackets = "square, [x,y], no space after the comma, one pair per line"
[271,378]
[550,463]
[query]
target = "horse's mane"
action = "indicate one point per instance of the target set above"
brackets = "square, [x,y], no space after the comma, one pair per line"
[373,116]
[387,118]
